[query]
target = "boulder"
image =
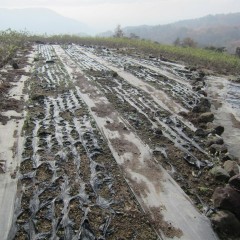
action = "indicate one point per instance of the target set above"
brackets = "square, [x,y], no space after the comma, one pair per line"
[206,117]
[214,140]
[227,199]
[231,167]
[218,149]
[218,130]
[220,174]
[202,92]
[210,126]
[15,65]
[158,131]
[201,132]
[234,182]
[50,61]
[225,222]
[37,97]
[202,74]
[226,157]
[203,106]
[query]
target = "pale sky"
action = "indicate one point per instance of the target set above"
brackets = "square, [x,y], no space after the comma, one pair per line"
[106,14]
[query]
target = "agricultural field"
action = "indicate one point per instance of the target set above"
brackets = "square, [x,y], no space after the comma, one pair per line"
[113,143]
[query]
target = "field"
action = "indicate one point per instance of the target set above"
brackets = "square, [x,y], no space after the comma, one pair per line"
[111,143]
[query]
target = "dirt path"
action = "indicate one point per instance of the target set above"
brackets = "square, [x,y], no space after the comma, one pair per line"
[11,143]
[156,191]
[225,98]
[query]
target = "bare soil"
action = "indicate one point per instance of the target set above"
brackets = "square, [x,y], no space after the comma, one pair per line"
[70,186]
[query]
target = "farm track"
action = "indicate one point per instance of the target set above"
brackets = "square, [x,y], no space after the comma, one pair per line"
[103,141]
[69,183]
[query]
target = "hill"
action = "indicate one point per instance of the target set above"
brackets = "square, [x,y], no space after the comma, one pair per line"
[212,30]
[40,21]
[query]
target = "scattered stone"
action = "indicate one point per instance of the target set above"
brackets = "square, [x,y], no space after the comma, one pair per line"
[201,132]
[115,74]
[206,117]
[235,182]
[231,167]
[218,130]
[203,106]
[210,125]
[202,92]
[197,88]
[202,74]
[37,97]
[158,131]
[214,140]
[220,174]
[226,157]
[50,61]
[15,65]
[225,222]
[193,69]
[227,199]
[39,42]
[44,133]
[183,114]
[218,149]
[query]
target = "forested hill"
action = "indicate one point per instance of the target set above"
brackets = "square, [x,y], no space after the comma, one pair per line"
[212,30]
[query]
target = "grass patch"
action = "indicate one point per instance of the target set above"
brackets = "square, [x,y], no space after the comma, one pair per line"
[10,42]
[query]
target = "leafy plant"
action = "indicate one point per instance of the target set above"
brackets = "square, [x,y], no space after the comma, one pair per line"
[10,42]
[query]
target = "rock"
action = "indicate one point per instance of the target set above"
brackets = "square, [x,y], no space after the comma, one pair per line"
[231,167]
[202,74]
[235,182]
[183,114]
[193,69]
[37,97]
[210,126]
[206,117]
[201,132]
[214,140]
[226,157]
[218,149]
[220,174]
[115,74]
[50,61]
[200,84]
[218,130]
[15,65]
[203,106]
[225,222]
[227,199]
[196,88]
[158,131]
[202,92]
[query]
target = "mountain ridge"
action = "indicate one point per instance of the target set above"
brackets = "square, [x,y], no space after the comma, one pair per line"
[221,30]
[40,21]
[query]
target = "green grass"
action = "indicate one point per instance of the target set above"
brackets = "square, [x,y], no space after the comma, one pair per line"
[10,42]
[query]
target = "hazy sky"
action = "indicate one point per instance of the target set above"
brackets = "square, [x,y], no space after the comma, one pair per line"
[106,14]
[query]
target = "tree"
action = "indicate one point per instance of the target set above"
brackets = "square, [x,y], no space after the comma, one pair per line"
[238,51]
[133,36]
[118,33]
[177,42]
[189,42]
